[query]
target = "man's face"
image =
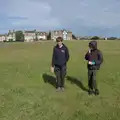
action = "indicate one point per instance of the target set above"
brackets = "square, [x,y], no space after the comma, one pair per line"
[59,43]
[90,47]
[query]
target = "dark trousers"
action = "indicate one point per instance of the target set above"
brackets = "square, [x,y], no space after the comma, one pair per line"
[60,72]
[92,79]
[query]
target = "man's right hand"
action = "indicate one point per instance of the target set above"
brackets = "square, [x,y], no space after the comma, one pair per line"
[90,63]
[52,69]
[89,50]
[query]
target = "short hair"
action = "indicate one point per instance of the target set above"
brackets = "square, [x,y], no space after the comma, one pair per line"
[59,39]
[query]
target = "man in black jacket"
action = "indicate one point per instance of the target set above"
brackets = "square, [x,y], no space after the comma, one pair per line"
[59,61]
[94,58]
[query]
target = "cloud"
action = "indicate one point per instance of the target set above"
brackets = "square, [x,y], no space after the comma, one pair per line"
[17,18]
[29,13]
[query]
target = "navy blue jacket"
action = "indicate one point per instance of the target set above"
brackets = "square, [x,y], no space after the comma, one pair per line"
[60,56]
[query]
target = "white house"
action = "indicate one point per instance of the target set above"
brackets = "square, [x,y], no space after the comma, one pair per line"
[41,35]
[3,37]
[11,36]
[29,36]
[65,34]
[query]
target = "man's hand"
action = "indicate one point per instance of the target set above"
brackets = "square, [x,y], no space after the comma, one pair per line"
[89,51]
[90,63]
[52,69]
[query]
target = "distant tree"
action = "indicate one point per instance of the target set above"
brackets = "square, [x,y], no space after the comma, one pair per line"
[49,36]
[74,37]
[19,36]
[36,38]
[10,40]
[95,38]
[112,38]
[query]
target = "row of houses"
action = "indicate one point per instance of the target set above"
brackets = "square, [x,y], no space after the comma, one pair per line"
[30,36]
[65,34]
[8,37]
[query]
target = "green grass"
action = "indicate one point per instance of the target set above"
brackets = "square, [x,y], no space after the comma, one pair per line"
[25,96]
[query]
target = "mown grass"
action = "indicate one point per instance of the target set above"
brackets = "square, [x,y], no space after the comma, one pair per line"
[27,90]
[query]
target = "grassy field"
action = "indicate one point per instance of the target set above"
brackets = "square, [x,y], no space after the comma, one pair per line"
[27,88]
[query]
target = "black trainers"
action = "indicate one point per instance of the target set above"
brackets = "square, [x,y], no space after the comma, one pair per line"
[58,89]
[97,92]
[90,92]
[62,89]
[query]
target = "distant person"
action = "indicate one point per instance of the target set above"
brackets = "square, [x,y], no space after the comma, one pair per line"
[59,61]
[95,59]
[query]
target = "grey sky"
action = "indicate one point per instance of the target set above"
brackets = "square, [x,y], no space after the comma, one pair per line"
[83,17]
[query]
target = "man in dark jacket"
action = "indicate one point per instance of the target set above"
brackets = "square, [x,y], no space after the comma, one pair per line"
[94,58]
[59,60]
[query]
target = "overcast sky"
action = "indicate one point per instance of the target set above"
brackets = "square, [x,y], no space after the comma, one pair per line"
[82,17]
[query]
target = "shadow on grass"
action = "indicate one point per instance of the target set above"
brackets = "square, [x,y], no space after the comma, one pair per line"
[49,79]
[77,82]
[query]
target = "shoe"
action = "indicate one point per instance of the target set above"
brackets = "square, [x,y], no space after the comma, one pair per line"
[58,89]
[90,92]
[97,92]
[62,89]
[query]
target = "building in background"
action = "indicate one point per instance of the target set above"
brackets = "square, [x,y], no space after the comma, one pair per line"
[29,36]
[11,36]
[41,35]
[33,35]
[3,37]
[65,34]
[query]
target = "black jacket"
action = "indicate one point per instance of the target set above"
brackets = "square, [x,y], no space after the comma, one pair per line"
[60,56]
[94,56]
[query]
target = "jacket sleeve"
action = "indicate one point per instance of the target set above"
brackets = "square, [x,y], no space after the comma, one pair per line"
[67,54]
[87,56]
[100,59]
[53,58]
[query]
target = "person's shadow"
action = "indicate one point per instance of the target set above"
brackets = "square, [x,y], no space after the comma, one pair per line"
[49,79]
[77,82]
